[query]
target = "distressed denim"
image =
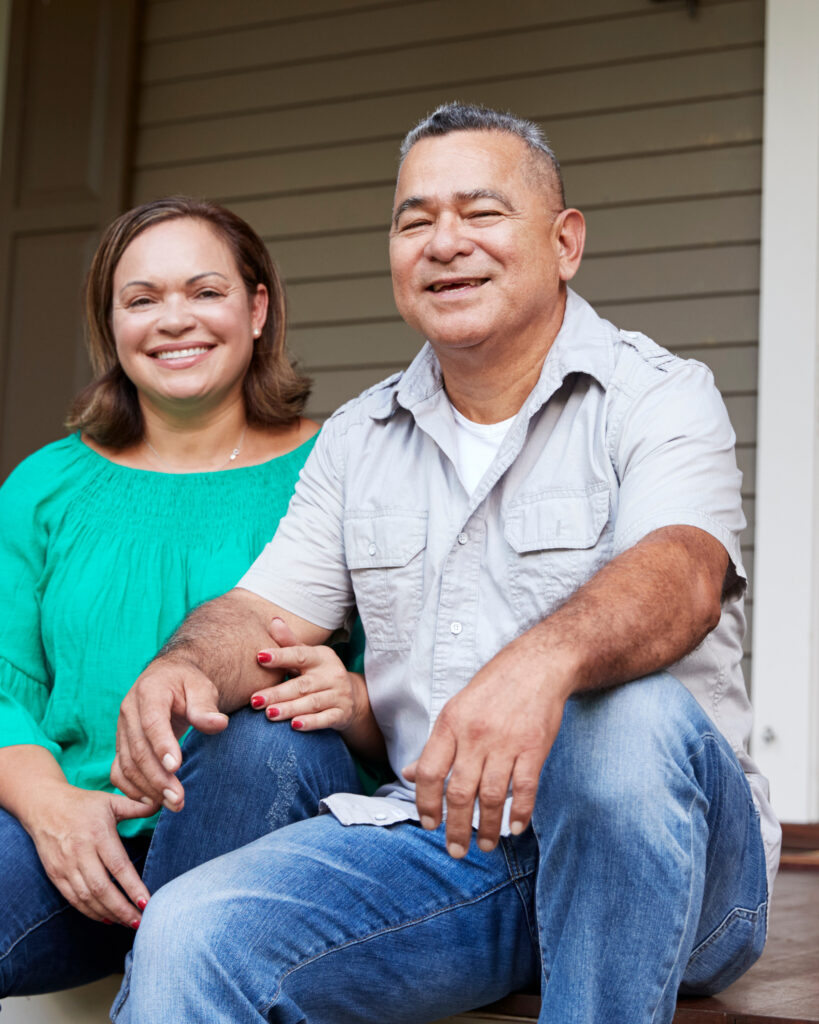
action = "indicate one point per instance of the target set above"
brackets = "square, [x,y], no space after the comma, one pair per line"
[643,873]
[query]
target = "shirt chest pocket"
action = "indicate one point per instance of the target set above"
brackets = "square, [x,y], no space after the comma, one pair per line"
[557,541]
[385,555]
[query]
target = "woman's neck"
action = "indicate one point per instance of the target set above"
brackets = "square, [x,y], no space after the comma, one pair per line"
[194,444]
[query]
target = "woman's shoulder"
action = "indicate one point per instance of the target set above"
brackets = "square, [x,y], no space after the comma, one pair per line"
[49,469]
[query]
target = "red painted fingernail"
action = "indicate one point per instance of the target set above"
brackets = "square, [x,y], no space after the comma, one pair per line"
[142,903]
[263,657]
[297,724]
[273,712]
[135,925]
[257,702]
[106,921]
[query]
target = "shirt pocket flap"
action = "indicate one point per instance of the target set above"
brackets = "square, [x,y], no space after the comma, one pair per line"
[558,519]
[384,541]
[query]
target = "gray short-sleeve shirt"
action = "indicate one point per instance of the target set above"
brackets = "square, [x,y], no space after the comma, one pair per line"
[618,438]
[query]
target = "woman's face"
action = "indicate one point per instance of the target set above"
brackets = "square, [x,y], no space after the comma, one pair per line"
[182,319]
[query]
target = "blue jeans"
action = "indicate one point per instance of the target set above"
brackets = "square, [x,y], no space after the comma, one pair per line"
[46,945]
[643,873]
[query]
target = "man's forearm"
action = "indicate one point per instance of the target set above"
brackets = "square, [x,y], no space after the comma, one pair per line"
[221,639]
[643,611]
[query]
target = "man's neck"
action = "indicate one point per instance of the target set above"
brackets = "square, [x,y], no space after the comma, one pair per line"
[490,382]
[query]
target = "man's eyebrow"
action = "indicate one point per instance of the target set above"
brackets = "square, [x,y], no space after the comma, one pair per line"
[410,203]
[413,202]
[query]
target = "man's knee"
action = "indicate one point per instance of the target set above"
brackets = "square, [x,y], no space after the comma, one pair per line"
[623,754]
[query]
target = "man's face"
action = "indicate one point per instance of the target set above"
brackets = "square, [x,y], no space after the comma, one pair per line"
[475,244]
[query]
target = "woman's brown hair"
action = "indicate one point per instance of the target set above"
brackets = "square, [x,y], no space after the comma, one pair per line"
[108,409]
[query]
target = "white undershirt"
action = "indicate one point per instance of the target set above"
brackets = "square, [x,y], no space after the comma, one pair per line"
[477,445]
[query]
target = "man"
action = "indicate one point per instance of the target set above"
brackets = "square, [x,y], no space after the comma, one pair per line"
[541,509]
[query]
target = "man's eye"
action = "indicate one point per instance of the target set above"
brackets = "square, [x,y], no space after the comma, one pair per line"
[483,214]
[410,224]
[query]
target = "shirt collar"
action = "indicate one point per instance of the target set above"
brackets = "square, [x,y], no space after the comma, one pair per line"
[582,345]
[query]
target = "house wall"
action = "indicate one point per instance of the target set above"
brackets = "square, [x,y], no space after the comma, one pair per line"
[293,120]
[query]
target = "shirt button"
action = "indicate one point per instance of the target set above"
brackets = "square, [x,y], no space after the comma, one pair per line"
[371,549]
[462,538]
[455,628]
[381,816]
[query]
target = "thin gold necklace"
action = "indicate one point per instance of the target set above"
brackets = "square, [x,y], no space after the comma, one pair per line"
[174,469]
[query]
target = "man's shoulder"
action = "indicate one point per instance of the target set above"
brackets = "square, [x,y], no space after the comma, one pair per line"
[641,363]
[375,403]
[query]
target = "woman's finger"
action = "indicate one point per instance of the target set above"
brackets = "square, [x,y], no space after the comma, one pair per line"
[331,718]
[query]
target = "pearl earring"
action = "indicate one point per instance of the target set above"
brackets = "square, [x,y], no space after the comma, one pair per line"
[256,333]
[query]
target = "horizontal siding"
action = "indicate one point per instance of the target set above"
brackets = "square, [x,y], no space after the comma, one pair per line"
[666,80]
[637,31]
[685,126]
[291,113]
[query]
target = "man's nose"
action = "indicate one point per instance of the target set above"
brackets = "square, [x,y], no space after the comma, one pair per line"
[448,240]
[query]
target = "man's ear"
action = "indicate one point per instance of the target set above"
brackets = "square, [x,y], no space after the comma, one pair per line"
[570,237]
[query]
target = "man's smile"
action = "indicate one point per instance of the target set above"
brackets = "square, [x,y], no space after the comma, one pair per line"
[456,284]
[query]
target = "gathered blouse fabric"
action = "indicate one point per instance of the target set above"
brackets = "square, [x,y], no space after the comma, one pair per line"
[99,564]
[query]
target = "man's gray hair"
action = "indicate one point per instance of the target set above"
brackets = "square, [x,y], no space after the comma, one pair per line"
[467,117]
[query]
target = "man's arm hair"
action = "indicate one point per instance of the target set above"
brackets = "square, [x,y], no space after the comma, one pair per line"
[221,639]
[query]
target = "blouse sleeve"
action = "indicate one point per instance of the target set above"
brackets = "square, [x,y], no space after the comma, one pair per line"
[24,677]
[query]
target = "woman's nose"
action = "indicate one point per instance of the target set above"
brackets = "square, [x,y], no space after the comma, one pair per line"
[177,316]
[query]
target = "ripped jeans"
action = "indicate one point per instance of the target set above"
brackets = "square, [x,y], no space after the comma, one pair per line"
[643,875]
[249,780]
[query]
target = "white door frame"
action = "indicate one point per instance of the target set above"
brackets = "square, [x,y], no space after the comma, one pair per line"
[785,662]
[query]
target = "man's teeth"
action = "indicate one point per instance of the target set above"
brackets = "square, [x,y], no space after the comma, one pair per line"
[181,353]
[469,282]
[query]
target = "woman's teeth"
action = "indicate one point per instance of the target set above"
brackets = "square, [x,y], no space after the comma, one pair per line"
[181,353]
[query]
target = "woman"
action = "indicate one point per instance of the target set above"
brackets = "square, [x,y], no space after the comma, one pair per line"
[188,443]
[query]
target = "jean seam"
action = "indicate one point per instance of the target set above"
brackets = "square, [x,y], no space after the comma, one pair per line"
[33,928]
[690,890]
[267,1006]
[519,875]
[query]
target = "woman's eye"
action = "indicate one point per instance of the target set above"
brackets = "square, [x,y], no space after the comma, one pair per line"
[208,293]
[140,300]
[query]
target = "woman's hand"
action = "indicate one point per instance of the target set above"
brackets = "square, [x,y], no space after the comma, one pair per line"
[321,693]
[76,837]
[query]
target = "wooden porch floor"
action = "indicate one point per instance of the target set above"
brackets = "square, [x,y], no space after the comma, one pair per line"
[781,988]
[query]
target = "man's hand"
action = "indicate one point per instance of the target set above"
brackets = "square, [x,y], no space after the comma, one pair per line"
[75,832]
[643,611]
[171,694]
[488,742]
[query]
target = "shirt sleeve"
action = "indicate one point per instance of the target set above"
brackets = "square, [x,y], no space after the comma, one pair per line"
[303,569]
[677,466]
[25,683]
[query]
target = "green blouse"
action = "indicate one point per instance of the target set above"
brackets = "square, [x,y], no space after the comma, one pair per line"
[99,563]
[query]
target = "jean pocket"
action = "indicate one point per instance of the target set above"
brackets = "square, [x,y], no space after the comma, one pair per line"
[385,555]
[727,953]
[557,541]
